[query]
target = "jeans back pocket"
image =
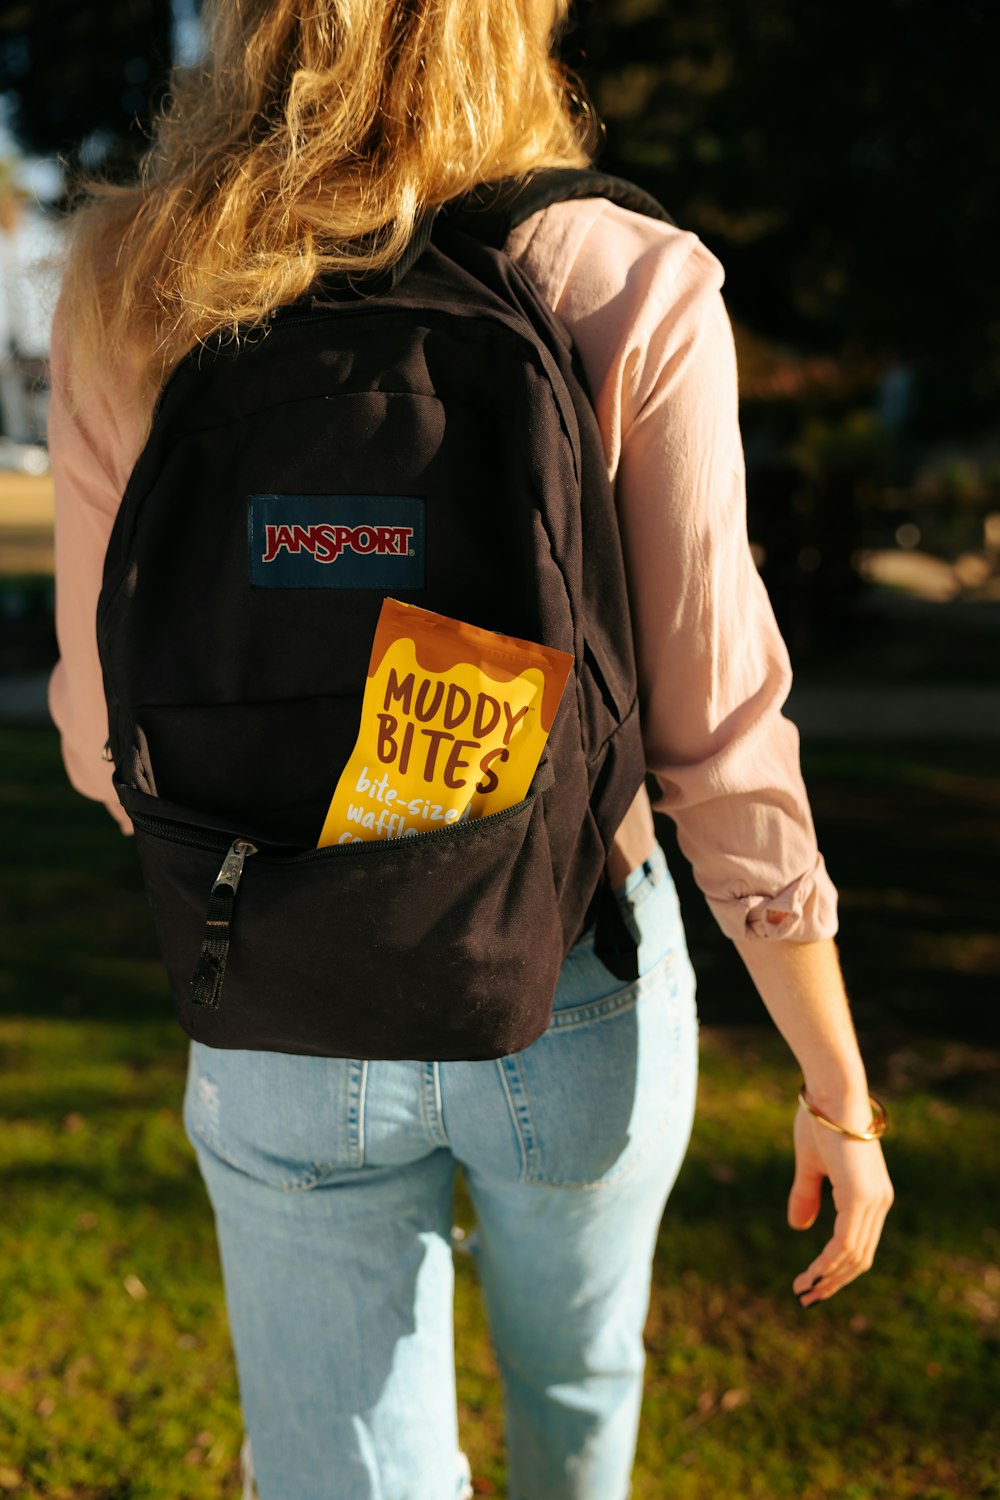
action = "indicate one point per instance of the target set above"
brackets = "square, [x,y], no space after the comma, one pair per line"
[288,1122]
[608,1081]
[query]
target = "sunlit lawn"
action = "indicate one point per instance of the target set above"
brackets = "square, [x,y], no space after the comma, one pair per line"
[116,1379]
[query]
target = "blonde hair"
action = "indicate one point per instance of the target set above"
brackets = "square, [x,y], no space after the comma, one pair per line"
[309,140]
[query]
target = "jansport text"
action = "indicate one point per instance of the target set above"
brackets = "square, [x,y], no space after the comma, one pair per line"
[326,541]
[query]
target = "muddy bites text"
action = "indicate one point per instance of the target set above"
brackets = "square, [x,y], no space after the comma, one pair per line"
[453,725]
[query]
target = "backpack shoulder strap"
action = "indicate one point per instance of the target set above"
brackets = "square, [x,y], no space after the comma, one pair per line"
[493,209]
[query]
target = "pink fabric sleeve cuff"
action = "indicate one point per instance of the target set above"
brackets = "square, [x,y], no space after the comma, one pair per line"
[807,910]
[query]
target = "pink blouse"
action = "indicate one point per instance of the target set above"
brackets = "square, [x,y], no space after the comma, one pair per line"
[643,302]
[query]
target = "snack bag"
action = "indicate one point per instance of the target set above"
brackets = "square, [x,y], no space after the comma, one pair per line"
[453,725]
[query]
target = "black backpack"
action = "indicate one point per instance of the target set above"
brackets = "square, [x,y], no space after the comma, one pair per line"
[441,401]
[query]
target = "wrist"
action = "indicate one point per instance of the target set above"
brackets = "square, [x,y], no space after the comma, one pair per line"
[848,1104]
[835,1080]
[823,1091]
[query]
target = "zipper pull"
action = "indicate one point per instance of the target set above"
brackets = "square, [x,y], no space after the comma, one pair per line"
[206,982]
[231,872]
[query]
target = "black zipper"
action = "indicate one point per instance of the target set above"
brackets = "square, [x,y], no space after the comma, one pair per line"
[181,833]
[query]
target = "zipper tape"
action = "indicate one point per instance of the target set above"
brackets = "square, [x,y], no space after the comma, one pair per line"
[180,833]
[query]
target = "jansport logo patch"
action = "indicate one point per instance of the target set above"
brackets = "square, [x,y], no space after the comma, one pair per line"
[326,542]
[336,541]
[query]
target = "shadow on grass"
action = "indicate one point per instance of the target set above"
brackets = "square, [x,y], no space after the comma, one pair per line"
[76,938]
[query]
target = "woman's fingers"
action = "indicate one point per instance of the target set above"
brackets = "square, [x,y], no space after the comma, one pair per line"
[863,1195]
[876,1220]
[843,1259]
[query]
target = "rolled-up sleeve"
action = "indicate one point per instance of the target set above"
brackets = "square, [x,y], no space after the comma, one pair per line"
[644,303]
[714,671]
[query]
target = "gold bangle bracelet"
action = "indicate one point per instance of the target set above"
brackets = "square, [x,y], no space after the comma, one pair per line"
[876,1129]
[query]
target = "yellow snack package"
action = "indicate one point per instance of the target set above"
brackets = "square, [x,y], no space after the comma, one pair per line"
[453,725]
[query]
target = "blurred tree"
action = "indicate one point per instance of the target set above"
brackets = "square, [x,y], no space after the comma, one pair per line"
[841,160]
[83,78]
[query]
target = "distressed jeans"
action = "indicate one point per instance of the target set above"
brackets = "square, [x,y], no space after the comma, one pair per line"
[332,1185]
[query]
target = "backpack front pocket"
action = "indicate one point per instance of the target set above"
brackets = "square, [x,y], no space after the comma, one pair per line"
[446,945]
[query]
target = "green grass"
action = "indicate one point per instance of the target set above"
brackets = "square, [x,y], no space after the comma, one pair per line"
[116,1377]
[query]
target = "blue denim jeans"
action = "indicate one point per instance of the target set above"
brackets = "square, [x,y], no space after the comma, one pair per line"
[331,1181]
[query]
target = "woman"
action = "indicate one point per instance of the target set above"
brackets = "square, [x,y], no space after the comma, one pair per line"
[308,142]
